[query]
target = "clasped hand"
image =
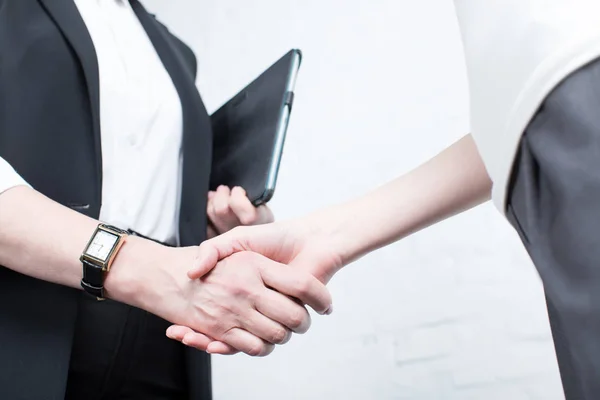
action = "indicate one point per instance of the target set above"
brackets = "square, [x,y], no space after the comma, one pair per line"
[300,258]
[247,302]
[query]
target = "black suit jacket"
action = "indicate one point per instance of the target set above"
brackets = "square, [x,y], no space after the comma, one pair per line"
[50,133]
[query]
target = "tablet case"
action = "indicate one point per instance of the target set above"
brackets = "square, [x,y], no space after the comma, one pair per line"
[245,132]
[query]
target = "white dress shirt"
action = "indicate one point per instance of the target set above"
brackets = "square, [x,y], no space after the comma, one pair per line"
[8,177]
[517,51]
[141,125]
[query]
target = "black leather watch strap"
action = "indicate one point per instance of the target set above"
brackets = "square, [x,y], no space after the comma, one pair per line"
[93,280]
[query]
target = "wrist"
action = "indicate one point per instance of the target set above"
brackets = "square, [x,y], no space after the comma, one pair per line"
[348,233]
[335,228]
[353,229]
[131,279]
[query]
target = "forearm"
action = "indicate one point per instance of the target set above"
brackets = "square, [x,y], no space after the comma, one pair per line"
[42,239]
[453,181]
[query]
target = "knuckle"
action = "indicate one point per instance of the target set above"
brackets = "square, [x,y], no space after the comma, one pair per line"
[240,291]
[235,290]
[234,200]
[303,285]
[254,297]
[221,320]
[227,335]
[298,319]
[288,337]
[256,350]
[279,335]
[247,218]
[221,210]
[213,325]
[210,211]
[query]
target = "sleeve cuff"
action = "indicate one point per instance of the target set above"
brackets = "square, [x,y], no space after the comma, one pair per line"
[9,177]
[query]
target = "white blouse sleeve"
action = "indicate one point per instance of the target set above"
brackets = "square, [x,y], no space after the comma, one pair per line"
[9,177]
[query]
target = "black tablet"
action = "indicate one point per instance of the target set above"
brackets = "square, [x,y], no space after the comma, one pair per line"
[249,131]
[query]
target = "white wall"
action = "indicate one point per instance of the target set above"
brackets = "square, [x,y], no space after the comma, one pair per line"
[455,312]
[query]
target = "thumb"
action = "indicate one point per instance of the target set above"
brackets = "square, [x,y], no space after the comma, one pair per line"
[212,251]
[206,259]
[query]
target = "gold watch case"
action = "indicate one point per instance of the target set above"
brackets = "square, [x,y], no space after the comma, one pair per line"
[105,262]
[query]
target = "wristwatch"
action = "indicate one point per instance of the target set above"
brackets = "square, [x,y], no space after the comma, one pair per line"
[98,256]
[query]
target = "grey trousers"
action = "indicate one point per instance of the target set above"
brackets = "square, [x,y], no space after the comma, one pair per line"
[554,204]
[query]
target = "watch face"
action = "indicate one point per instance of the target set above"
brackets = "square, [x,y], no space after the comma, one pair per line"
[101,245]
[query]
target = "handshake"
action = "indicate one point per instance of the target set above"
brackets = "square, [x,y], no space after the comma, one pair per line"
[250,287]
[243,291]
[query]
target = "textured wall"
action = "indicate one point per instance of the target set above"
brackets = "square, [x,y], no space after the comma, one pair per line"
[455,312]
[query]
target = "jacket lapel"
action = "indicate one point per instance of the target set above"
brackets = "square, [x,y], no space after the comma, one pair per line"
[197,136]
[69,21]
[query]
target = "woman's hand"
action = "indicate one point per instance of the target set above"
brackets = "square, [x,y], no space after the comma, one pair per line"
[229,208]
[247,302]
[298,246]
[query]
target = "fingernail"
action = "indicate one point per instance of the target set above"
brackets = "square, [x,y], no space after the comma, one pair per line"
[170,333]
[329,310]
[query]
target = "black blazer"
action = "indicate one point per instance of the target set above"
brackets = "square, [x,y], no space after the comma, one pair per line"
[50,133]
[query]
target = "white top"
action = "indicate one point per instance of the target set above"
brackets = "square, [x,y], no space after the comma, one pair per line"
[517,51]
[8,177]
[141,125]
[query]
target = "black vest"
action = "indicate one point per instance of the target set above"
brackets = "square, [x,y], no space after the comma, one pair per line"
[50,134]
